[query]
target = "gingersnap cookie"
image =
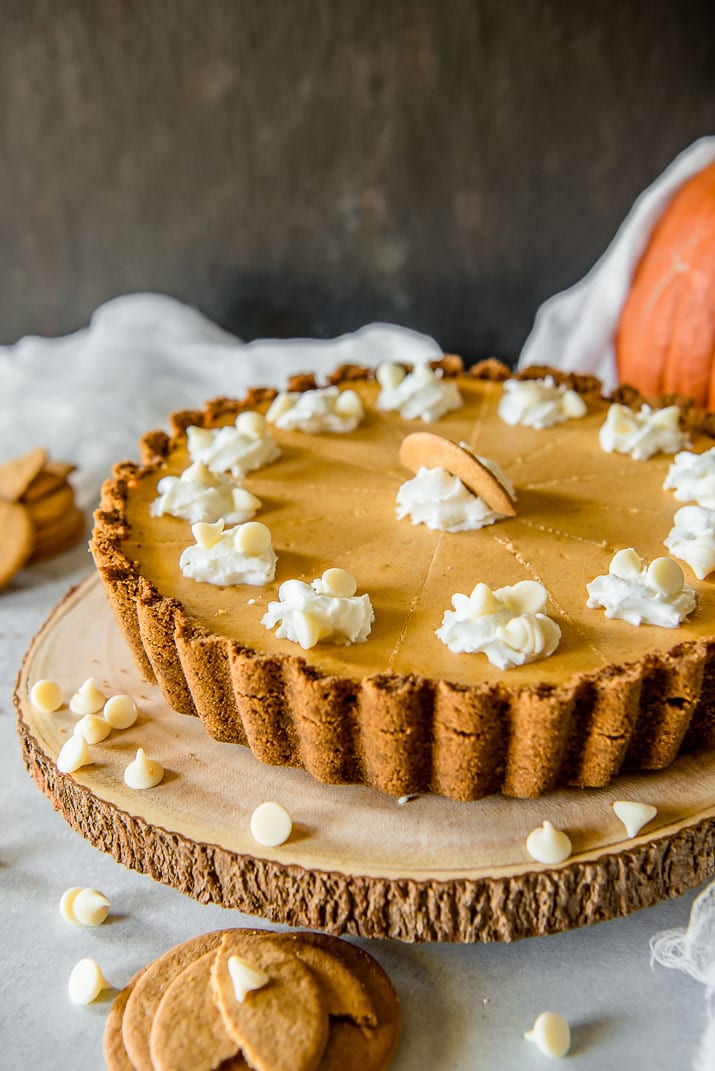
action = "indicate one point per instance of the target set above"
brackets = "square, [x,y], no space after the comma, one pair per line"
[116,1056]
[188,1031]
[254,999]
[16,541]
[424,448]
[56,538]
[51,476]
[40,488]
[282,1025]
[149,990]
[344,996]
[17,475]
[361,1046]
[49,509]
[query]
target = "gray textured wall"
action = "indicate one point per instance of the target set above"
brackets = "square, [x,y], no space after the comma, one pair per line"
[303,167]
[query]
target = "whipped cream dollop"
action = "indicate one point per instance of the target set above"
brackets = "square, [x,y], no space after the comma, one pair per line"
[237,448]
[507,625]
[539,403]
[240,555]
[440,501]
[199,494]
[692,539]
[692,478]
[652,595]
[316,411]
[422,394]
[642,434]
[325,610]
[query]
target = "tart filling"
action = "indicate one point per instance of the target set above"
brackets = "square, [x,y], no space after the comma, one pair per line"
[400,711]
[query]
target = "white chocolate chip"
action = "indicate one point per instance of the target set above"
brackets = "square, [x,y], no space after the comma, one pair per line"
[143,772]
[482,601]
[531,391]
[85,907]
[198,473]
[339,582]
[548,845]
[573,405]
[551,1034]
[73,754]
[244,500]
[293,591]
[207,535]
[348,404]
[524,597]
[67,904]
[46,696]
[634,815]
[524,634]
[515,634]
[86,982]
[308,629]
[666,576]
[389,376]
[281,404]
[87,699]
[120,711]
[626,563]
[245,977]
[251,424]
[198,439]
[93,728]
[271,824]
[668,417]
[252,538]
[90,907]
[621,420]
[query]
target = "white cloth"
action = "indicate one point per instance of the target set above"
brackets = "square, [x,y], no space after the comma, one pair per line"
[692,951]
[574,330]
[89,396]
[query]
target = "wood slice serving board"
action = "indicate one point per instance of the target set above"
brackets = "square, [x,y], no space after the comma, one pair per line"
[357,862]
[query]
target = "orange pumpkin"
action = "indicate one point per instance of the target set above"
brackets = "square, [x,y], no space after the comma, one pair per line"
[666,336]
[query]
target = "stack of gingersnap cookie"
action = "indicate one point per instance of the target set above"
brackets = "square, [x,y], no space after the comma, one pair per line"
[38,513]
[254,999]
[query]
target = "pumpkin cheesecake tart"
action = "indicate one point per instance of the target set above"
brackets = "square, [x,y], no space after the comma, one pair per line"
[399,709]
